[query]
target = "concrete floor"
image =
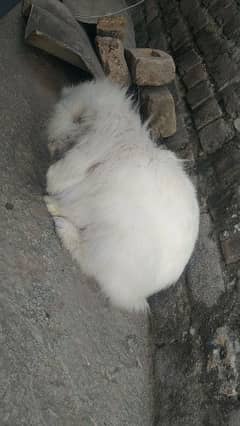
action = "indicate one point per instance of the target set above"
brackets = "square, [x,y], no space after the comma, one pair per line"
[66,357]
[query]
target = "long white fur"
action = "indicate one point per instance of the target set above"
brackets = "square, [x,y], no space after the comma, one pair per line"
[123,207]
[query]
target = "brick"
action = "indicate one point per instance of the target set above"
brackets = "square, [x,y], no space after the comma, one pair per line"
[211,43]
[213,136]
[62,39]
[223,71]
[159,103]
[187,6]
[112,26]
[199,94]
[231,99]
[217,9]
[206,113]
[236,124]
[232,28]
[171,19]
[195,75]
[196,16]
[208,3]
[198,20]
[231,249]
[180,35]
[187,61]
[150,67]
[226,165]
[111,53]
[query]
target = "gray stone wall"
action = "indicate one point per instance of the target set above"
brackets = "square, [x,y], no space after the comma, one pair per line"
[196,324]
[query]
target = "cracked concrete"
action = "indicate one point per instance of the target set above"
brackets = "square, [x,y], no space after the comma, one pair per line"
[67,358]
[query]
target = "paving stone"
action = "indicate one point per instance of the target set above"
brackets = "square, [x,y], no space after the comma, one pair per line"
[180,35]
[231,99]
[195,75]
[225,15]
[223,70]
[112,26]
[187,6]
[231,248]
[187,61]
[150,67]
[211,43]
[232,28]
[226,164]
[111,53]
[199,94]
[179,142]
[205,272]
[196,16]
[236,124]
[159,103]
[222,202]
[213,136]
[206,113]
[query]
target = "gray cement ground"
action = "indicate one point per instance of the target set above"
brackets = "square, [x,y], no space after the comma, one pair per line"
[66,357]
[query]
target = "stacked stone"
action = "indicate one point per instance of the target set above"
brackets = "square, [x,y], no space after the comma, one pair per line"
[150,69]
[109,43]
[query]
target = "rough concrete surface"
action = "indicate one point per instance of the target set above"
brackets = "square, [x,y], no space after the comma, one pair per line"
[66,357]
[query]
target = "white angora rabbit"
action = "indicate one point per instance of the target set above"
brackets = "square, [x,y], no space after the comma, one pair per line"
[123,207]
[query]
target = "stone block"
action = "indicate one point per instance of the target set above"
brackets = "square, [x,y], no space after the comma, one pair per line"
[150,67]
[187,61]
[224,70]
[199,94]
[232,28]
[187,6]
[111,53]
[112,26]
[226,164]
[206,113]
[159,103]
[231,99]
[195,75]
[219,8]
[58,37]
[231,248]
[211,43]
[196,16]
[180,35]
[213,136]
